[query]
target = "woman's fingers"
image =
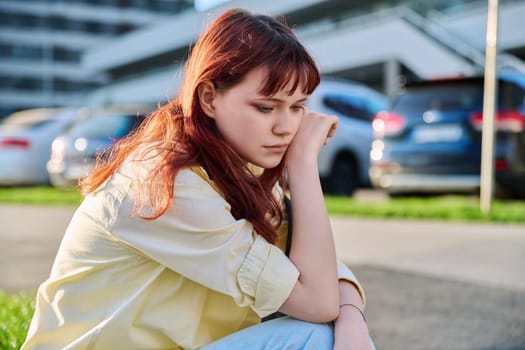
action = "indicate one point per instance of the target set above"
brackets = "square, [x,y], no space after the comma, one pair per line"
[317,124]
[332,131]
[313,133]
[318,128]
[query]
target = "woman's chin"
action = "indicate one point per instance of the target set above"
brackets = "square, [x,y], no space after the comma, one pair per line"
[268,163]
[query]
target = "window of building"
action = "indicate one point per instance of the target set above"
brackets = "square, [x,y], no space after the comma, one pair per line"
[64,85]
[21,83]
[140,4]
[5,50]
[20,51]
[58,23]
[123,3]
[123,28]
[19,20]
[66,55]
[94,27]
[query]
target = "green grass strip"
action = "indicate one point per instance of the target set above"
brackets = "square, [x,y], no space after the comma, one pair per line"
[40,195]
[15,316]
[456,208]
[464,208]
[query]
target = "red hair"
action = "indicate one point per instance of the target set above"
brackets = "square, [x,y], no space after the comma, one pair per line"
[182,135]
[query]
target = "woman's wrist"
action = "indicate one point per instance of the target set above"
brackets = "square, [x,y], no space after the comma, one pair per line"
[301,167]
[351,332]
[352,308]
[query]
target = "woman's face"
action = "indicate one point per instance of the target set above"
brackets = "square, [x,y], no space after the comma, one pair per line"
[258,127]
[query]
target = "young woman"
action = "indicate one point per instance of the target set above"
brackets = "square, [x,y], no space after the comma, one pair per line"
[179,242]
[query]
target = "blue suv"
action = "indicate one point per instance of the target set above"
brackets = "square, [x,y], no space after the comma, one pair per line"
[430,139]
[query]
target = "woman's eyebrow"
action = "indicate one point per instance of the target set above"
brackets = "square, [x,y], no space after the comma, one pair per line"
[278,100]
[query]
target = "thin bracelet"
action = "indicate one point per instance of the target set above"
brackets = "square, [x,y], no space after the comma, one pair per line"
[355,307]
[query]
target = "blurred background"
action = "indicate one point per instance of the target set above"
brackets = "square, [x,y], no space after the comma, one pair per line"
[406,78]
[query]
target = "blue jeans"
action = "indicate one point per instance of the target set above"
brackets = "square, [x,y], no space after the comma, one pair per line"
[279,334]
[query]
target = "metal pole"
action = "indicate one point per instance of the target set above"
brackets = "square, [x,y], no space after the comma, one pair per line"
[391,74]
[489,104]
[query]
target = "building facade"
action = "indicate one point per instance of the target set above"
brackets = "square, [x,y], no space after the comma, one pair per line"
[42,43]
[377,42]
[104,52]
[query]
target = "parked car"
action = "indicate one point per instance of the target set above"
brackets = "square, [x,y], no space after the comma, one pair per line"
[25,139]
[74,152]
[430,140]
[344,161]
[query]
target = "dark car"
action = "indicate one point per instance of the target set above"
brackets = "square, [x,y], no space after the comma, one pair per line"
[430,139]
[74,152]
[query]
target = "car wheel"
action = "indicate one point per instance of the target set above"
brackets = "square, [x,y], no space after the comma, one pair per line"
[344,178]
[415,193]
[508,192]
[397,194]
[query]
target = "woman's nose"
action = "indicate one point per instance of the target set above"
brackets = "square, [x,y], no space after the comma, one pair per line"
[283,124]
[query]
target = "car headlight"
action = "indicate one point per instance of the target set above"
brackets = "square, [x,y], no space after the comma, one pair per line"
[58,148]
[80,144]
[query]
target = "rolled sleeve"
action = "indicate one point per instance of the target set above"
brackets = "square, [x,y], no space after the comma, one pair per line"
[268,276]
[344,273]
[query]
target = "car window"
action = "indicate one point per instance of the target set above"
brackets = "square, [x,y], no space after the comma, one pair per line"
[26,120]
[24,124]
[443,98]
[103,126]
[353,107]
[448,97]
[511,96]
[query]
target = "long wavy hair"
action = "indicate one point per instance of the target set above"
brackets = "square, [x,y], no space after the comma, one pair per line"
[180,134]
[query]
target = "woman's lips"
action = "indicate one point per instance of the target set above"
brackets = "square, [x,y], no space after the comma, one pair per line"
[277,148]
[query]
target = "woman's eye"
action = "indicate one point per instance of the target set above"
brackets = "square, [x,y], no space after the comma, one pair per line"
[264,109]
[297,108]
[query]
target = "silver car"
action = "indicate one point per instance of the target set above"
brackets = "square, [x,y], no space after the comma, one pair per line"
[25,140]
[74,152]
[344,161]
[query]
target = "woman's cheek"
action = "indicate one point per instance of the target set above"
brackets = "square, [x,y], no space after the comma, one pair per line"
[297,125]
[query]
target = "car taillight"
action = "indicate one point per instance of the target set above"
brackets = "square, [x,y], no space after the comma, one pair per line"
[14,143]
[511,120]
[501,165]
[387,124]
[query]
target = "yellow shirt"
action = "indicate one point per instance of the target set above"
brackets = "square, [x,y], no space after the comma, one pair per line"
[181,281]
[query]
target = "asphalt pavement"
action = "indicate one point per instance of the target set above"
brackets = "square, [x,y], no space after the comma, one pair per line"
[437,286]
[430,285]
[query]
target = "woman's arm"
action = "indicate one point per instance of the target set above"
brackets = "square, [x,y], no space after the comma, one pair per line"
[350,331]
[315,296]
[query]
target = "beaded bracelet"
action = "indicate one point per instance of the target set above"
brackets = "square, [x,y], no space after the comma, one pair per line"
[355,307]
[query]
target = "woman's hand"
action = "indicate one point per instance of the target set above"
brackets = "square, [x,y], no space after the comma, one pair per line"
[314,132]
[351,331]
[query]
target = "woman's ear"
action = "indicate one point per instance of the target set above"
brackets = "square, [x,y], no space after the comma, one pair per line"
[206,92]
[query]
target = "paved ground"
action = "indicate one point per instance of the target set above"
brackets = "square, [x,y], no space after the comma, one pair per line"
[29,238]
[491,254]
[433,285]
[429,285]
[409,311]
